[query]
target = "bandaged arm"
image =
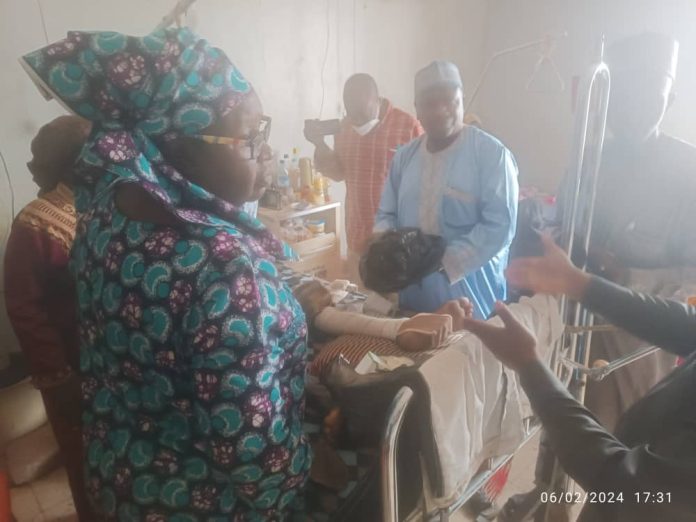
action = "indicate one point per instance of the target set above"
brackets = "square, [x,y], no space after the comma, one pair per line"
[338,322]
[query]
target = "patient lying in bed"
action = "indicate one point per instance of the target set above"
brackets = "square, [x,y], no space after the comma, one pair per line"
[474,407]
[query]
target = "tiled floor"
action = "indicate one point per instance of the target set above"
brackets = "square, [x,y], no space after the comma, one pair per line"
[45,500]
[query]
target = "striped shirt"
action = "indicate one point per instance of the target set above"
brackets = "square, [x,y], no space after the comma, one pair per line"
[365,163]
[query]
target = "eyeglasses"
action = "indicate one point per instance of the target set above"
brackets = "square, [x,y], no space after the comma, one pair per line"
[249,147]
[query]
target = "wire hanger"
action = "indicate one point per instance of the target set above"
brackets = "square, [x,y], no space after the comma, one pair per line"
[546,58]
[546,42]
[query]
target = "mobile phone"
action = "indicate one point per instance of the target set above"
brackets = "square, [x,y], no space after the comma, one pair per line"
[323,127]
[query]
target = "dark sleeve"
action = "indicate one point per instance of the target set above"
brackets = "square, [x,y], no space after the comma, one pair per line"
[596,459]
[668,324]
[27,260]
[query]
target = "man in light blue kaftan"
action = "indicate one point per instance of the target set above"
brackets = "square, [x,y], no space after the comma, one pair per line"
[461,183]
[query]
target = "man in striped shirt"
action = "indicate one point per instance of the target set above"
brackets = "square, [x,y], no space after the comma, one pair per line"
[368,138]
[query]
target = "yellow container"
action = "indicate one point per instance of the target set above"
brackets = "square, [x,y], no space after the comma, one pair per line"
[316,226]
[305,172]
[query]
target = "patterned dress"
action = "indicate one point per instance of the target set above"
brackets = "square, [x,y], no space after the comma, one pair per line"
[193,351]
[194,361]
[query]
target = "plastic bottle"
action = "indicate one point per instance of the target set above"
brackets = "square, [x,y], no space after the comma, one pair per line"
[327,196]
[284,184]
[306,172]
[294,172]
[282,173]
[295,156]
[296,165]
[317,189]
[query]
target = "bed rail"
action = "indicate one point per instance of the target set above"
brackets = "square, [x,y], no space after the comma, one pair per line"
[390,440]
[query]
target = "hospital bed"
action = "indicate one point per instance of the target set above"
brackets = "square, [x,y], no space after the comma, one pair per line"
[479,414]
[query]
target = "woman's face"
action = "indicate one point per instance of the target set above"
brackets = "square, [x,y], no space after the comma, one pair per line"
[236,173]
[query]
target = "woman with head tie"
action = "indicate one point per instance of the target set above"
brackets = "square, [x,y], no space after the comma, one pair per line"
[192,349]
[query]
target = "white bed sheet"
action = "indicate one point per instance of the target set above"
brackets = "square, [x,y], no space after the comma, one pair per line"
[478,408]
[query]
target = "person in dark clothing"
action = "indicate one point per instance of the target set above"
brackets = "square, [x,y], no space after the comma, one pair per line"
[647,470]
[40,293]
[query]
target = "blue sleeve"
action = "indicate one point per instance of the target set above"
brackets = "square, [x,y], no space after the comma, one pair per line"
[386,217]
[498,213]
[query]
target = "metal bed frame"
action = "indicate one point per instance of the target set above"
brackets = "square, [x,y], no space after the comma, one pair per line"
[572,353]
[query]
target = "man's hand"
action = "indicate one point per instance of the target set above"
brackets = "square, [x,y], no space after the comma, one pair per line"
[513,344]
[311,133]
[553,273]
[459,310]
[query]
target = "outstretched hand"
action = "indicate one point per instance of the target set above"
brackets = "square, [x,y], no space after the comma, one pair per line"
[553,273]
[513,344]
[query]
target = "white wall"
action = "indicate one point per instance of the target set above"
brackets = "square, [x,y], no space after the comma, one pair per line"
[536,126]
[280,45]
[397,37]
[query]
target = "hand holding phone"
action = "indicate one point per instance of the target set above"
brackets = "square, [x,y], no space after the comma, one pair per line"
[315,130]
